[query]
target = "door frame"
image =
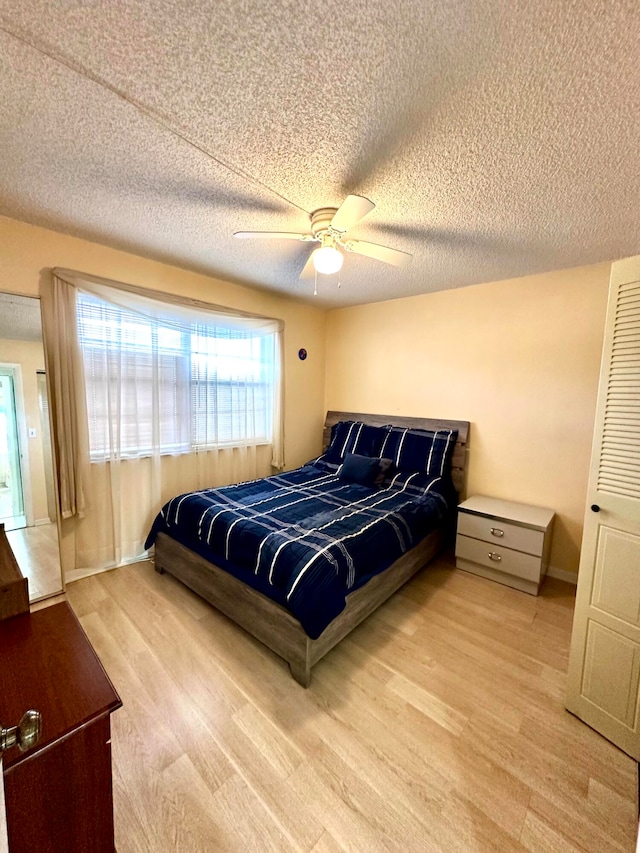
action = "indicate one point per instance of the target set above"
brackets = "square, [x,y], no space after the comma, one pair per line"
[23,439]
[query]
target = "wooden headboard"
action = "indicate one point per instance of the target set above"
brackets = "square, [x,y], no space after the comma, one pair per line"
[458,460]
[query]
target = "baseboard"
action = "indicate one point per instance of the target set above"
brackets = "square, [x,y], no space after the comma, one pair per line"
[562,575]
[79,574]
[40,522]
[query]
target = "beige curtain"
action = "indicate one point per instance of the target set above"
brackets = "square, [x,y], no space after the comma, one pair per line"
[126,494]
[277,449]
[108,503]
[67,403]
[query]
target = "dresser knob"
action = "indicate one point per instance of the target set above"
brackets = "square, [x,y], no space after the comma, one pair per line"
[25,735]
[495,531]
[495,557]
[595,508]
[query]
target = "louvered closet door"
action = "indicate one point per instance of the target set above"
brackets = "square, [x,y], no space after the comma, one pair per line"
[604,668]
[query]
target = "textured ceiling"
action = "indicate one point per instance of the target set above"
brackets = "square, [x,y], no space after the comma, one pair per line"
[20,318]
[496,139]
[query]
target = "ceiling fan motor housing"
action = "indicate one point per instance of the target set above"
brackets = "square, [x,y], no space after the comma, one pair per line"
[321,219]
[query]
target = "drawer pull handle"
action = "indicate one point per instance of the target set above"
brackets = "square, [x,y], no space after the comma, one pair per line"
[495,531]
[495,557]
[25,735]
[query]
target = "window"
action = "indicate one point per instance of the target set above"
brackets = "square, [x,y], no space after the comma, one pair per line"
[171,384]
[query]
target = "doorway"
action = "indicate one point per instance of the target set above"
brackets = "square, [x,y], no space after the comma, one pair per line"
[28,501]
[12,513]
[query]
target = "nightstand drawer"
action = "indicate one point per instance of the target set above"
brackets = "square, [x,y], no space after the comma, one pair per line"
[502,559]
[501,533]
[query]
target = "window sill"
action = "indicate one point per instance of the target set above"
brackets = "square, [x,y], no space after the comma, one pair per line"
[97,460]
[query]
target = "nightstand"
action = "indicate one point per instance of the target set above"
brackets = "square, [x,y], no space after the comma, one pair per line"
[504,541]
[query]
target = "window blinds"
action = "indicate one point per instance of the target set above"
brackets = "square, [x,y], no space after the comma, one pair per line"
[174,383]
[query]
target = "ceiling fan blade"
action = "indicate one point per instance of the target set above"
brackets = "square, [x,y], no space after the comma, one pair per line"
[275,235]
[380,253]
[352,210]
[308,271]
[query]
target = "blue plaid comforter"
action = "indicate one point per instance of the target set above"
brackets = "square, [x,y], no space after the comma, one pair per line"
[305,537]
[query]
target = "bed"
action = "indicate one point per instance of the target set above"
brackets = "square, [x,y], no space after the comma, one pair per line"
[299,559]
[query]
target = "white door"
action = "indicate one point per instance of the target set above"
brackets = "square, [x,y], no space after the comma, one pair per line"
[604,667]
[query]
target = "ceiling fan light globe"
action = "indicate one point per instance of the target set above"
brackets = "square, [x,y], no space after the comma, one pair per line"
[327,260]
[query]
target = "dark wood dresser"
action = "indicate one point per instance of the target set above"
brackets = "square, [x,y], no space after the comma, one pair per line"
[58,793]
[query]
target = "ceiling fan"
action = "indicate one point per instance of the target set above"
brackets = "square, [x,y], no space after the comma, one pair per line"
[329,226]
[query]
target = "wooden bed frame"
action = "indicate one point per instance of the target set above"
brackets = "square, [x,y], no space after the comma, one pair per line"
[273,624]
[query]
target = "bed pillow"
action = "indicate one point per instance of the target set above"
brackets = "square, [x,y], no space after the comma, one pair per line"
[386,469]
[367,440]
[425,451]
[417,487]
[339,437]
[353,437]
[359,469]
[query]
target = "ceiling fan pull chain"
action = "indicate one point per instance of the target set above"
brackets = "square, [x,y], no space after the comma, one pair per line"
[315,284]
[338,278]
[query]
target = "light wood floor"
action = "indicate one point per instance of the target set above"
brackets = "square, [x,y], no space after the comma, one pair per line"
[37,553]
[437,725]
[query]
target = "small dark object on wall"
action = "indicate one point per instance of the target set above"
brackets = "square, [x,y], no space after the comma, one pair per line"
[302,354]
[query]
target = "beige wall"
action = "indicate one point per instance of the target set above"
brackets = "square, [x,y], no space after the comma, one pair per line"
[28,253]
[30,356]
[519,359]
